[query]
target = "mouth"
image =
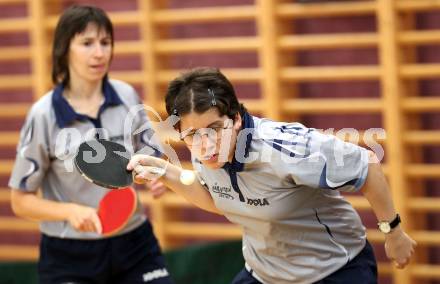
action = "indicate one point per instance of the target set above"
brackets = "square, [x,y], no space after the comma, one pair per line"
[98,67]
[210,158]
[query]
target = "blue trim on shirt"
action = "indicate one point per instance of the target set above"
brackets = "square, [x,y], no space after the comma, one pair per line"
[323,181]
[278,144]
[65,114]
[236,166]
[35,169]
[248,122]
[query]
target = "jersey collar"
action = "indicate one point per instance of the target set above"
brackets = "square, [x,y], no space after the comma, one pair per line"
[65,114]
[236,166]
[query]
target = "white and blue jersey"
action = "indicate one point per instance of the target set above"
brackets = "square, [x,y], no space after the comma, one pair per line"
[282,188]
[49,141]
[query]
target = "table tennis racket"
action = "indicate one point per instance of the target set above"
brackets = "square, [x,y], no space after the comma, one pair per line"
[115,209]
[105,163]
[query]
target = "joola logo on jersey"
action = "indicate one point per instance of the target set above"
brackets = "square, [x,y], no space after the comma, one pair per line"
[155,274]
[222,191]
[257,202]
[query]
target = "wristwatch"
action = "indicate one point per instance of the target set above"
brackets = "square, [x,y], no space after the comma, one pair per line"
[386,227]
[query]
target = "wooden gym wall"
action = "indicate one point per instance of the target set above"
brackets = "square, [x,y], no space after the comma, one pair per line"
[339,64]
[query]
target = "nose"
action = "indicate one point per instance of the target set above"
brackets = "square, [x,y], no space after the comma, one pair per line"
[208,143]
[99,50]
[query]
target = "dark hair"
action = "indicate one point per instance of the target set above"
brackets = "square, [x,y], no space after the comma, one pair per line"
[73,21]
[200,89]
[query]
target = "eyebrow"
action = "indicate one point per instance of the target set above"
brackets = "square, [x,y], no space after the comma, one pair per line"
[214,123]
[190,129]
[93,38]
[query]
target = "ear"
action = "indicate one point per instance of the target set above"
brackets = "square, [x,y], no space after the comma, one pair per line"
[237,121]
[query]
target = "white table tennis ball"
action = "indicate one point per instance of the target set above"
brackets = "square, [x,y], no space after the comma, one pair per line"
[187,177]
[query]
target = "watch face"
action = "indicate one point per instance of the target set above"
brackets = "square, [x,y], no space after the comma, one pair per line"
[385,227]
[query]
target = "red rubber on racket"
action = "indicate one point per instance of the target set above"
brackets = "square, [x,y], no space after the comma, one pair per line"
[115,209]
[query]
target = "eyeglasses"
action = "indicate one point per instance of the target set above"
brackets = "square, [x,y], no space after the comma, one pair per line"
[194,137]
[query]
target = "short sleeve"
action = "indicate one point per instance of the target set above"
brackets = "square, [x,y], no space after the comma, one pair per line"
[319,160]
[32,158]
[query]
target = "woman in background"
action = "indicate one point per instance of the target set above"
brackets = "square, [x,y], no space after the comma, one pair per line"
[86,102]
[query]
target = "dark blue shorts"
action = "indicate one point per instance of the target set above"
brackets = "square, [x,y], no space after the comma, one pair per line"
[132,258]
[361,270]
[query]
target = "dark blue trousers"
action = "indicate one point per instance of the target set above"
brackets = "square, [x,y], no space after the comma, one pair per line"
[132,258]
[360,270]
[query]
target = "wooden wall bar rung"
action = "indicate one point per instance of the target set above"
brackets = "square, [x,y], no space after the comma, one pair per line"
[10,252]
[130,18]
[425,271]
[207,230]
[346,40]
[236,75]
[211,45]
[15,81]
[420,37]
[131,77]
[421,104]
[253,105]
[9,138]
[417,71]
[329,73]
[353,8]
[203,15]
[417,5]
[14,110]
[128,47]
[431,137]
[14,25]
[16,224]
[5,195]
[423,170]
[9,2]
[334,105]
[14,53]
[424,204]
[6,166]
[426,237]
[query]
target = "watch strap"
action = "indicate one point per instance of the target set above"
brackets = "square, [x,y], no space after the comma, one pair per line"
[396,221]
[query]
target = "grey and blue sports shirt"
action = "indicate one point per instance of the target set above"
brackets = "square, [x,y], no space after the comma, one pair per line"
[49,141]
[282,188]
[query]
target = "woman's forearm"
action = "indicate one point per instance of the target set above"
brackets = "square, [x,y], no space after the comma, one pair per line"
[32,207]
[194,193]
[377,192]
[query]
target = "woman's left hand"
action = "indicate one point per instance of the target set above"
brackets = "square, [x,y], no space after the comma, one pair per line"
[399,247]
[156,188]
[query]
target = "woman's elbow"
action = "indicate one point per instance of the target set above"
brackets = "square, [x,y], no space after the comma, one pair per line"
[17,201]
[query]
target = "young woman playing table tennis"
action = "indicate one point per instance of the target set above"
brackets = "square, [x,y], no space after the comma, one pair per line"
[84,101]
[280,182]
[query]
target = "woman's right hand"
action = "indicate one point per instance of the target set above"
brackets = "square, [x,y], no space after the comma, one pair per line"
[83,218]
[147,168]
